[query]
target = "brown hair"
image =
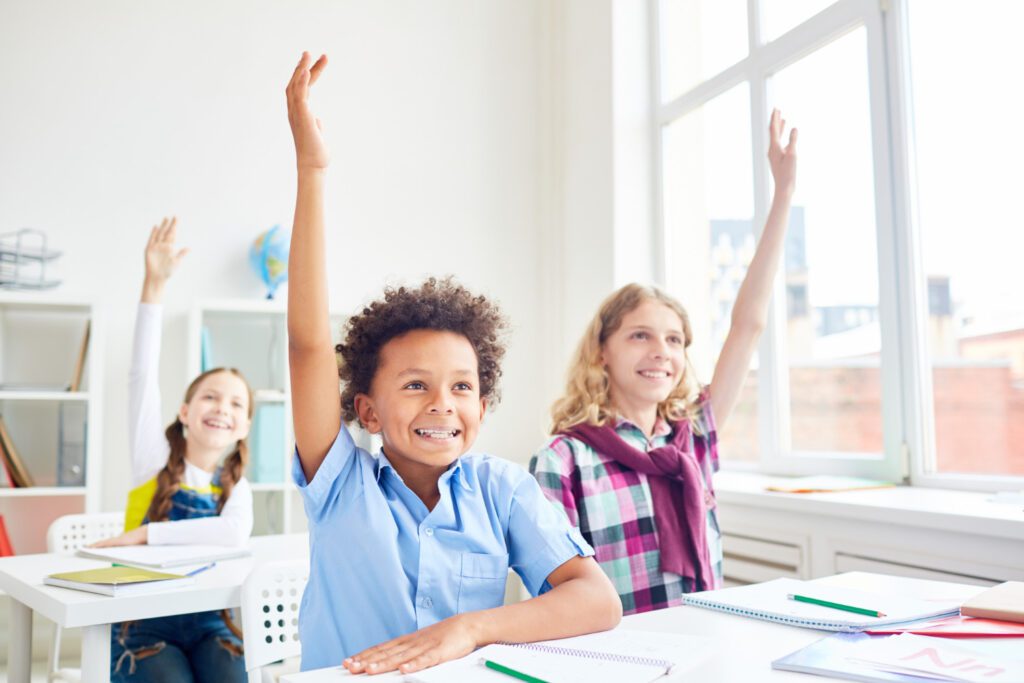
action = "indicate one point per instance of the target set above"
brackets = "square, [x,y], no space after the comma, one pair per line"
[586,398]
[168,481]
[441,305]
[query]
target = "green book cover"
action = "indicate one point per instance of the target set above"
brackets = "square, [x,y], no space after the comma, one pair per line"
[115,576]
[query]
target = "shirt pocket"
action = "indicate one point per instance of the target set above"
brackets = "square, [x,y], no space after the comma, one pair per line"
[482,581]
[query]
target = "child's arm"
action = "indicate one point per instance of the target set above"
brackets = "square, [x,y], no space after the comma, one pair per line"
[581,600]
[316,405]
[750,312]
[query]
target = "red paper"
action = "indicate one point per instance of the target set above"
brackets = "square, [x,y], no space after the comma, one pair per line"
[958,627]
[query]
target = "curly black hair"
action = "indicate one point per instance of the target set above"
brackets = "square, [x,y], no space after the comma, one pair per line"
[442,305]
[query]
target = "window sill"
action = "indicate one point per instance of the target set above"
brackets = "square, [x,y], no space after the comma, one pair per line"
[943,509]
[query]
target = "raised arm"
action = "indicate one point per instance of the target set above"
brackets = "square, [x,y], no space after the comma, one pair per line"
[316,403]
[149,447]
[750,312]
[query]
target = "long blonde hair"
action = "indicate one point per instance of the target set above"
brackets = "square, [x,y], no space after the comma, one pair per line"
[168,481]
[586,398]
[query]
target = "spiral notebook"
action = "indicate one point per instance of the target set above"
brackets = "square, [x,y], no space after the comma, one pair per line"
[608,657]
[769,601]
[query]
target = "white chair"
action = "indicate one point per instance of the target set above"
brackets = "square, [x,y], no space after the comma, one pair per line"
[270,617]
[66,535]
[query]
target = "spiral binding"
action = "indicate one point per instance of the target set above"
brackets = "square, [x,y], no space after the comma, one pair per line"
[590,654]
[771,616]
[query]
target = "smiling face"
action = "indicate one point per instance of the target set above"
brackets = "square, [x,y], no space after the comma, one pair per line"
[424,400]
[218,413]
[645,358]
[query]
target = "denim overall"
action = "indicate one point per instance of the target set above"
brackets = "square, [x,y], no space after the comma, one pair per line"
[186,647]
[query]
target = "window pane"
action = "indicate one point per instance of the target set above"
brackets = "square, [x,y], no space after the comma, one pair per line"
[969,143]
[831,256]
[699,38]
[708,208]
[782,15]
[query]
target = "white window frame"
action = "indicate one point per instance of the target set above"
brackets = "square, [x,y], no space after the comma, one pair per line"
[907,400]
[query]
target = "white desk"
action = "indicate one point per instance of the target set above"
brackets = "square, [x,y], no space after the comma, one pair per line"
[748,646]
[21,577]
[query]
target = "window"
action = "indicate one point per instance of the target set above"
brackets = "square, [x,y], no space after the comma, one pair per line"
[895,346]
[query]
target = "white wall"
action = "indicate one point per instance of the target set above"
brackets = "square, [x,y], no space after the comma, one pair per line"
[116,113]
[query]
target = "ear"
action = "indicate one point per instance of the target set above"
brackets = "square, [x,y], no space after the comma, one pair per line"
[367,413]
[483,408]
[183,413]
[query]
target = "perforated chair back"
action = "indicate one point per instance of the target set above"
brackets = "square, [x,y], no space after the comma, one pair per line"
[270,613]
[71,532]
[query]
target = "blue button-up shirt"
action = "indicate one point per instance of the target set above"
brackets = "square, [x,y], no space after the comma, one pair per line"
[382,565]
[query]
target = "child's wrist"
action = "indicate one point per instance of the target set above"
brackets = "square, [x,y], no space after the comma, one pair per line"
[476,627]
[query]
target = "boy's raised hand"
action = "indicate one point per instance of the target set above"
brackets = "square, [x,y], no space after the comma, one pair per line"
[310,150]
[782,159]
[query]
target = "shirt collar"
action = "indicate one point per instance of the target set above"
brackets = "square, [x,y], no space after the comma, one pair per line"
[661,427]
[454,470]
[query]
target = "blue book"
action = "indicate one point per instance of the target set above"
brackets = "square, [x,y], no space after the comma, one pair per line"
[266,443]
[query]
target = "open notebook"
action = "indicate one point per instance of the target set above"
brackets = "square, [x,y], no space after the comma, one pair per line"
[608,657]
[769,601]
[161,556]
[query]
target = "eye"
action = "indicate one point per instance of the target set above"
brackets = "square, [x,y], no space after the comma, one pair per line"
[416,386]
[675,339]
[237,404]
[638,335]
[463,386]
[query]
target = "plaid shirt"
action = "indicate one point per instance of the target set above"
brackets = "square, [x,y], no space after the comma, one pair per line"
[611,504]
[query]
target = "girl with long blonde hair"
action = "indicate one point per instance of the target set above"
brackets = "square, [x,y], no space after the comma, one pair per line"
[634,437]
[188,487]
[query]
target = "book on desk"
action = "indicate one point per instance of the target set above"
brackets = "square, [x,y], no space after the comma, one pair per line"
[118,581]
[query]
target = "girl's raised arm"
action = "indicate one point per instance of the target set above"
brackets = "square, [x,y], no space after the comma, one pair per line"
[750,312]
[316,404]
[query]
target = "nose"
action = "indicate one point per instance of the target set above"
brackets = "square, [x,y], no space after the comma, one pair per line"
[659,349]
[441,403]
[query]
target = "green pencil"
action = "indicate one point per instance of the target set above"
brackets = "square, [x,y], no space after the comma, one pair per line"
[836,605]
[512,672]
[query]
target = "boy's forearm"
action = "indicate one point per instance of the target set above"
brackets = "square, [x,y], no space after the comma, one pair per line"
[308,318]
[569,609]
[152,289]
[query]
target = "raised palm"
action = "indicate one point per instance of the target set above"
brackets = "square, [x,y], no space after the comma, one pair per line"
[310,149]
[162,257]
[782,159]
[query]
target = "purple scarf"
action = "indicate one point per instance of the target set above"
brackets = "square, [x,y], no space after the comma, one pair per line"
[680,510]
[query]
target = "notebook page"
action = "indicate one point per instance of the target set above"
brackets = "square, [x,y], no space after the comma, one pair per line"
[768,601]
[164,555]
[685,652]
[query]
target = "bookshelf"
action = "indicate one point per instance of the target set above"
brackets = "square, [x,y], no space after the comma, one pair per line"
[252,335]
[54,431]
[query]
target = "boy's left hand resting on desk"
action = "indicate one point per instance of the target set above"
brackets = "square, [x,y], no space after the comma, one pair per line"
[137,536]
[580,594]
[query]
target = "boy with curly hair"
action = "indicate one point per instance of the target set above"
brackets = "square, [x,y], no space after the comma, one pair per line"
[410,549]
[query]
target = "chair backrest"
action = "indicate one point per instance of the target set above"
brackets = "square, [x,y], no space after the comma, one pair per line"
[71,532]
[270,611]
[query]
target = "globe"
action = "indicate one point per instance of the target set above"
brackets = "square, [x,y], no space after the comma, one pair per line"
[268,256]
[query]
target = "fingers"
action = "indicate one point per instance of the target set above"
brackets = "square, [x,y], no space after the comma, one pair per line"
[317,69]
[388,656]
[791,147]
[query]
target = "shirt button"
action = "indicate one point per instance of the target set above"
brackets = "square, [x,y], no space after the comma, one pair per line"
[429,531]
[427,602]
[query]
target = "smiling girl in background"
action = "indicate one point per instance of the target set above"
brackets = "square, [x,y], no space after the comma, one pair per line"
[634,437]
[184,491]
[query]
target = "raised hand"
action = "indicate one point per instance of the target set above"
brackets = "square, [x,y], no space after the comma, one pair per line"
[782,159]
[310,149]
[162,259]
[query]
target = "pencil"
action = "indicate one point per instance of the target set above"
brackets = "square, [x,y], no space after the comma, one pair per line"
[836,605]
[512,672]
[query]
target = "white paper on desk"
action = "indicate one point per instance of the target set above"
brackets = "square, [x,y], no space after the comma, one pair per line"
[938,658]
[162,556]
[686,652]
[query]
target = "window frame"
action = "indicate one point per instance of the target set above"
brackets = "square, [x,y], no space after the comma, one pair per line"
[908,420]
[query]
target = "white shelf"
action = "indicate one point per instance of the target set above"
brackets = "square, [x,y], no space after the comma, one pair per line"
[26,395]
[35,491]
[268,487]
